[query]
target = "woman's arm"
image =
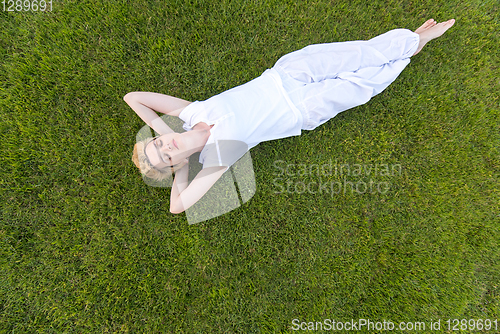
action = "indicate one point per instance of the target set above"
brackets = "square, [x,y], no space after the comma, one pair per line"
[183,195]
[145,104]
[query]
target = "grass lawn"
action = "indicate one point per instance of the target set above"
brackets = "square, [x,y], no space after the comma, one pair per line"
[87,247]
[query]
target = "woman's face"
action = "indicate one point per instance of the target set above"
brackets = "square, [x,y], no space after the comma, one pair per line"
[166,150]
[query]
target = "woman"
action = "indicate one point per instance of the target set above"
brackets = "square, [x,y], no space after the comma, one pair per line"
[303,90]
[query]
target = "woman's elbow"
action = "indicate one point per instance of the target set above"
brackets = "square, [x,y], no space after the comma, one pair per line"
[128,97]
[175,209]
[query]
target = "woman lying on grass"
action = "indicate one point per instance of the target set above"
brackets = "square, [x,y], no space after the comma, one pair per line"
[301,91]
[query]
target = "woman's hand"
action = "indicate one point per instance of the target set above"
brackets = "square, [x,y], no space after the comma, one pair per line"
[145,104]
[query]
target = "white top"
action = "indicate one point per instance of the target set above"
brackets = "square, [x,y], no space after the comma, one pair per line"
[244,116]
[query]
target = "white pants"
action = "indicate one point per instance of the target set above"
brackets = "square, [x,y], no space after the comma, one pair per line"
[325,79]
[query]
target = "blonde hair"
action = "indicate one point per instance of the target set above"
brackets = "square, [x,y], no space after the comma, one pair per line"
[147,169]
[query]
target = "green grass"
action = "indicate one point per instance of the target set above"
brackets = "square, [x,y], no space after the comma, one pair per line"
[87,247]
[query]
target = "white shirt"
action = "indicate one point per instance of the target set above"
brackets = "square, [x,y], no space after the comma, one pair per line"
[244,116]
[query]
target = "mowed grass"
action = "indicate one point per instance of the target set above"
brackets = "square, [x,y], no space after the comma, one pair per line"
[87,247]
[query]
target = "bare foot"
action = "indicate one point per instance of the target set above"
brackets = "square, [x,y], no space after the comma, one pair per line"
[430,31]
[428,24]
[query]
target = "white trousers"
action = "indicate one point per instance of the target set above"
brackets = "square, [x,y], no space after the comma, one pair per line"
[325,79]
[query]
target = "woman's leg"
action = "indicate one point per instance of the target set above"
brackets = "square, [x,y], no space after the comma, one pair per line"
[319,62]
[326,79]
[323,100]
[430,30]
